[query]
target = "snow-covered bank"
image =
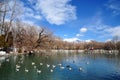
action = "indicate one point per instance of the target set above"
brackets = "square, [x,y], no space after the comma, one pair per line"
[3,53]
[67,51]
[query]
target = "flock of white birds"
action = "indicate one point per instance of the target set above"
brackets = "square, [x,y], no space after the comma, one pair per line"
[52,67]
[41,64]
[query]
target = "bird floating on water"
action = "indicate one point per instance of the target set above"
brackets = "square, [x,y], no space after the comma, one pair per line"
[7,60]
[35,67]
[48,65]
[62,67]
[70,68]
[41,64]
[17,70]
[80,69]
[33,63]
[87,63]
[38,71]
[17,66]
[26,70]
[51,70]
[53,66]
[59,64]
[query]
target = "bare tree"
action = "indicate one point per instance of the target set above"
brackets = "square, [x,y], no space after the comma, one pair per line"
[45,37]
[115,39]
[8,14]
[118,46]
[31,36]
[20,36]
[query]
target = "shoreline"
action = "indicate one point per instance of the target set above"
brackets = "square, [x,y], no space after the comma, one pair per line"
[51,52]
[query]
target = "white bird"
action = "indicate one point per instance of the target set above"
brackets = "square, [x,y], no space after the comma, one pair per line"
[51,70]
[38,71]
[70,68]
[41,64]
[87,62]
[26,70]
[53,66]
[35,67]
[33,63]
[17,66]
[17,70]
[7,60]
[48,65]
[59,64]
[80,69]
[62,67]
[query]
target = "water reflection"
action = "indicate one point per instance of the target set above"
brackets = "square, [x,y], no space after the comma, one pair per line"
[68,66]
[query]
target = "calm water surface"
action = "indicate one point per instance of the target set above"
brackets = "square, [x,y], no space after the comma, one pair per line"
[68,66]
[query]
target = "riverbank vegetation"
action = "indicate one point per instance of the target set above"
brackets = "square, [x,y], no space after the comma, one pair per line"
[18,36]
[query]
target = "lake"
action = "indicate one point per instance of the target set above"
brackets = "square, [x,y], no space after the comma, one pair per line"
[60,66]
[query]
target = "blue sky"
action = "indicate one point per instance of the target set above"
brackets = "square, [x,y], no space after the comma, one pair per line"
[75,19]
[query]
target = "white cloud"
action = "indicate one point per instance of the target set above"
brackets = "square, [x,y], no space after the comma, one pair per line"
[89,40]
[71,39]
[22,12]
[100,31]
[29,22]
[97,27]
[29,13]
[74,39]
[108,40]
[114,5]
[32,1]
[114,31]
[32,15]
[12,9]
[54,11]
[83,30]
[78,35]
[37,17]
[65,34]
[104,31]
[57,11]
